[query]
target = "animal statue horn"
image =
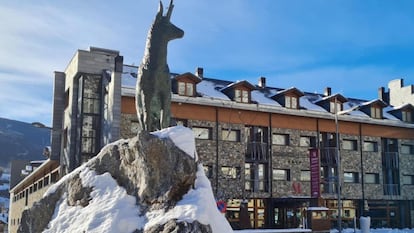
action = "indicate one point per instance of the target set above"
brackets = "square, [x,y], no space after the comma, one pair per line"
[153,89]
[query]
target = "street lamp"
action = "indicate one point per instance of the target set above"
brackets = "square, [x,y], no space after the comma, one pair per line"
[338,168]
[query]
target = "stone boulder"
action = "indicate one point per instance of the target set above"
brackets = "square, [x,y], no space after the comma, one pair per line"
[152,169]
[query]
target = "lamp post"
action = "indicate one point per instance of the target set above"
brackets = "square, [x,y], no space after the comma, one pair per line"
[338,168]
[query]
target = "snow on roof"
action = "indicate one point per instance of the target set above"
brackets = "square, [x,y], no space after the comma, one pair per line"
[261,98]
[307,103]
[129,76]
[316,208]
[208,88]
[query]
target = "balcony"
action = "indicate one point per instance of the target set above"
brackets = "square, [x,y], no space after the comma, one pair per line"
[328,156]
[257,151]
[391,189]
[390,160]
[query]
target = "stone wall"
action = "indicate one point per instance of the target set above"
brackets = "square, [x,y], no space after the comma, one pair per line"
[292,157]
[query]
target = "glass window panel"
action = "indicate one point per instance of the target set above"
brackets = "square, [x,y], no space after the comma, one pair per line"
[202,133]
[237,95]
[370,146]
[350,177]
[229,172]
[349,144]
[408,179]
[230,135]
[181,88]
[190,89]
[287,102]
[294,102]
[280,139]
[245,97]
[371,178]
[280,174]
[407,149]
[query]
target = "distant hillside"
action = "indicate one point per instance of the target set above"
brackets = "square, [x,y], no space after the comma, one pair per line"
[22,141]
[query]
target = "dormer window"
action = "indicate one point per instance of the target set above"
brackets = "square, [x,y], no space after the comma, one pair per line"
[289,98]
[239,91]
[291,102]
[332,103]
[185,84]
[403,112]
[333,108]
[186,89]
[407,116]
[376,112]
[241,96]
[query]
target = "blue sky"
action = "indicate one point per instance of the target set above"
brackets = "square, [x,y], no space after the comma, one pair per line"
[352,46]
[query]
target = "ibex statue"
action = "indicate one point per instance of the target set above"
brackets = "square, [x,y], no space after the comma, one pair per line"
[153,90]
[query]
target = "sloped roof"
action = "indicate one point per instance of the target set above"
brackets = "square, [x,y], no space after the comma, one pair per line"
[212,89]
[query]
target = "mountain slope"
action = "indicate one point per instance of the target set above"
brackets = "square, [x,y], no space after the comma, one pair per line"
[20,140]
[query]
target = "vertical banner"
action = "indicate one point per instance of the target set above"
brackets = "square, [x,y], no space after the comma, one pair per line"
[314,173]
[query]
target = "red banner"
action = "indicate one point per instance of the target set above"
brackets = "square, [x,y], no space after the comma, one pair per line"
[315,173]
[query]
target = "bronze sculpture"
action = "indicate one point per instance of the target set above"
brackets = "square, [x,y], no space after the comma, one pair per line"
[153,89]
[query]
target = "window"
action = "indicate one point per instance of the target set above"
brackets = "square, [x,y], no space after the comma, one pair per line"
[407,116]
[371,178]
[230,135]
[230,172]
[332,106]
[186,89]
[202,132]
[376,112]
[348,144]
[305,175]
[281,174]
[370,146]
[255,177]
[307,141]
[66,98]
[408,179]
[46,181]
[351,177]
[280,139]
[291,102]
[40,184]
[407,149]
[89,134]
[241,96]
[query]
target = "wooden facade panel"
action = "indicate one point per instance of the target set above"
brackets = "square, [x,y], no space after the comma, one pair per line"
[235,116]
[193,112]
[293,122]
[128,105]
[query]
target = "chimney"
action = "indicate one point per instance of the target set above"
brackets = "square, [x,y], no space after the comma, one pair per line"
[382,95]
[199,72]
[262,82]
[328,91]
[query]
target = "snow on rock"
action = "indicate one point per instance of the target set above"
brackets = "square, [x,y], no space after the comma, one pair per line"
[105,194]
[198,203]
[182,137]
[111,209]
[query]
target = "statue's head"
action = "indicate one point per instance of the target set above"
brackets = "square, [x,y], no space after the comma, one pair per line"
[163,24]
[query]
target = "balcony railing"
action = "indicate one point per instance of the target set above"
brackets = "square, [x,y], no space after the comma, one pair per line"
[328,155]
[391,189]
[257,151]
[390,160]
